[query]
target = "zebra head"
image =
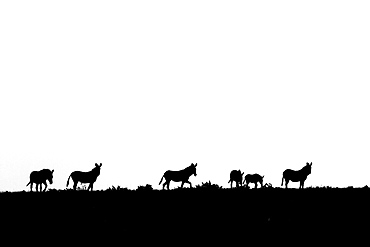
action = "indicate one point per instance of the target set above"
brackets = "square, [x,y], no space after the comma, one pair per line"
[50,177]
[239,176]
[193,169]
[97,167]
[308,167]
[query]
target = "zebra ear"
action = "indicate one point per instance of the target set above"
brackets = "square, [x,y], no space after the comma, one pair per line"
[195,164]
[52,171]
[96,164]
[100,164]
[311,164]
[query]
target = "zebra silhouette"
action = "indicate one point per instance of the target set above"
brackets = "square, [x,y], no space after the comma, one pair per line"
[85,177]
[296,176]
[253,178]
[237,176]
[179,176]
[40,177]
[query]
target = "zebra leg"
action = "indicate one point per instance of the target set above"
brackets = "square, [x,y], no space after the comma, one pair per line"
[182,184]
[189,184]
[286,183]
[91,186]
[75,185]
[46,185]
[168,184]
[31,186]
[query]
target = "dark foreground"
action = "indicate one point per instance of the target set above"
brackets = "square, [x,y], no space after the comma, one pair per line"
[236,215]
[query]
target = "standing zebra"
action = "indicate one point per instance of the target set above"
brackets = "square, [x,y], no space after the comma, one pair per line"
[296,176]
[237,176]
[253,178]
[40,177]
[179,176]
[85,177]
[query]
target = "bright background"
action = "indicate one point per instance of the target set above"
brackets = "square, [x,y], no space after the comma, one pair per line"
[148,86]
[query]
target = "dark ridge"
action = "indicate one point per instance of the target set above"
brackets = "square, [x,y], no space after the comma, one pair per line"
[205,211]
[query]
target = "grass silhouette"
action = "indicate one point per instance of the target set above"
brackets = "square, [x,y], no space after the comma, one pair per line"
[206,210]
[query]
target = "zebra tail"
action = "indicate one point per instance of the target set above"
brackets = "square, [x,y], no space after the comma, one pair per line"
[68,180]
[282,181]
[28,183]
[161,180]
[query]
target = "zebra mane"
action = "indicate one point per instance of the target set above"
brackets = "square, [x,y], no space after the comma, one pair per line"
[306,168]
[95,170]
[96,167]
[187,168]
[191,166]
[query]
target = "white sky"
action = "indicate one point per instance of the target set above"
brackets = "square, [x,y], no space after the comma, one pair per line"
[148,86]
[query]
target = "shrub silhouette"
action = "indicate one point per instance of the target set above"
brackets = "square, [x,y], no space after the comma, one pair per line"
[267,185]
[147,187]
[53,190]
[208,185]
[118,188]
[82,187]
[184,188]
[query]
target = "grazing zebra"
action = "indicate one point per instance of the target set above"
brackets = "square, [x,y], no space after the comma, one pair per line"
[253,178]
[296,176]
[40,177]
[179,176]
[237,176]
[85,177]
